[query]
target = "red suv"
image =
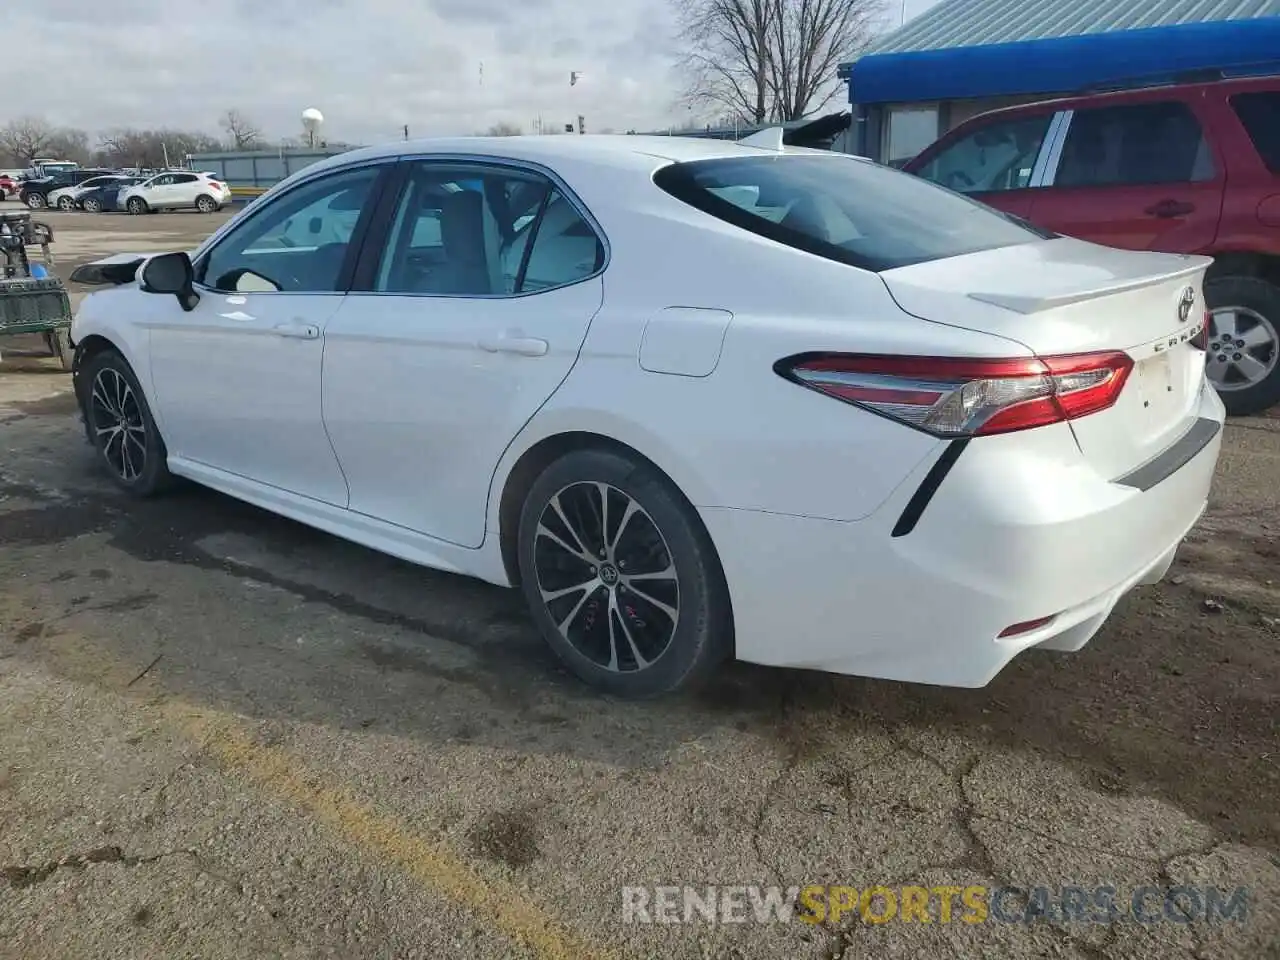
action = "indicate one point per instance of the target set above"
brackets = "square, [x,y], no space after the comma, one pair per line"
[1192,168]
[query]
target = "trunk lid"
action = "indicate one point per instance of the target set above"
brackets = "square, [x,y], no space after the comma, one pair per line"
[1065,296]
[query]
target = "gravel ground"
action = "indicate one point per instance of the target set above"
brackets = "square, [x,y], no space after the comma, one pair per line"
[224,735]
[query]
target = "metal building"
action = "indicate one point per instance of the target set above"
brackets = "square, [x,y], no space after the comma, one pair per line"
[965,57]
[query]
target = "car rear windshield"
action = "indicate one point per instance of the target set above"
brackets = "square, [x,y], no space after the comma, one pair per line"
[844,209]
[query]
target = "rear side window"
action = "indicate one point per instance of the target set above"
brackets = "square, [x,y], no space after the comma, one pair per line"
[1134,145]
[997,156]
[1260,114]
[847,210]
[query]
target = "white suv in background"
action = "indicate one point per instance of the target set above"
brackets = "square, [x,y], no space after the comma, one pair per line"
[177,190]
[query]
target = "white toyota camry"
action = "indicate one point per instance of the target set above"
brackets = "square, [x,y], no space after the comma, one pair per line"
[696,399]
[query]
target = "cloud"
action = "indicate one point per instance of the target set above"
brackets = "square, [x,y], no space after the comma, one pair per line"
[371,66]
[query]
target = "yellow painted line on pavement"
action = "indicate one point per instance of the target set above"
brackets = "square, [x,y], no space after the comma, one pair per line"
[432,863]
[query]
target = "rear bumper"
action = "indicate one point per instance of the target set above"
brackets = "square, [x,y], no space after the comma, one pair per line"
[1017,530]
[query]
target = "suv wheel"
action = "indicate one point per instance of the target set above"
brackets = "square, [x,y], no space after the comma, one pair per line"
[1243,360]
[206,204]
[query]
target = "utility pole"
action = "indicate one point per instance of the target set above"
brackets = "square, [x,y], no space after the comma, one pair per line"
[406,131]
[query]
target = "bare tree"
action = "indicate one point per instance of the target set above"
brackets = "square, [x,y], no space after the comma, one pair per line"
[727,60]
[242,133]
[152,148]
[504,129]
[24,139]
[770,59]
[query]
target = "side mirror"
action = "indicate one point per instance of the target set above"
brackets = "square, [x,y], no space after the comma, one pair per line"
[171,273]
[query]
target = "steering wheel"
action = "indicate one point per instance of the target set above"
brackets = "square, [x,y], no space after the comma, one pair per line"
[959,180]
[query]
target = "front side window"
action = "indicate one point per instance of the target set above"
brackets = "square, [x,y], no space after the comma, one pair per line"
[996,157]
[851,211]
[295,243]
[1131,145]
[468,230]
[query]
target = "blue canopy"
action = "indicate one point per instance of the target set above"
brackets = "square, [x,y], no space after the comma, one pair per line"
[1067,64]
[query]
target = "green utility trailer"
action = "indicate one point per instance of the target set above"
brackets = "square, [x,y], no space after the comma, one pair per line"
[32,299]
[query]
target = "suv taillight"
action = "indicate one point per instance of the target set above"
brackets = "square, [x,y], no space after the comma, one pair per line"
[957,397]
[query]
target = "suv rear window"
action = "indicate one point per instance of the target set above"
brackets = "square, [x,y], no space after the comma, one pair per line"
[843,209]
[1260,114]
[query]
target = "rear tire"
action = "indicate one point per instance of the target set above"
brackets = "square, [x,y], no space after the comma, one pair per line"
[121,428]
[206,204]
[635,609]
[136,206]
[1244,343]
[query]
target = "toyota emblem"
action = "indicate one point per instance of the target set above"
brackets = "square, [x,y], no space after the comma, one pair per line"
[1185,304]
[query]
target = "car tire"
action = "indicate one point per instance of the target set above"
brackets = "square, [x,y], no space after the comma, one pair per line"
[92,205]
[651,611]
[35,200]
[118,421]
[137,206]
[66,204]
[206,204]
[1248,307]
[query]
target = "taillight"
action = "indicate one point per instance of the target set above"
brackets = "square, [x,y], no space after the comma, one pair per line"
[957,397]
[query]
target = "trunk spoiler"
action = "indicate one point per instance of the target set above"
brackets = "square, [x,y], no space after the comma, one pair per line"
[1035,304]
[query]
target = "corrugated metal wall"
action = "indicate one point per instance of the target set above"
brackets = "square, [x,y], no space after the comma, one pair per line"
[962,23]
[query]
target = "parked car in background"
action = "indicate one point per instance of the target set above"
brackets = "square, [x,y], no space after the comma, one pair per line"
[35,193]
[66,198]
[695,398]
[1192,168]
[177,190]
[105,198]
[8,187]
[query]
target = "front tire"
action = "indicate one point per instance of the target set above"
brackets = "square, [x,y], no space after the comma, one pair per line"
[93,205]
[136,206]
[66,204]
[35,201]
[1243,356]
[621,577]
[121,427]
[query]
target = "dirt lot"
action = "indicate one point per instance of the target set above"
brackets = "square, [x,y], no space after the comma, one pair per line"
[224,735]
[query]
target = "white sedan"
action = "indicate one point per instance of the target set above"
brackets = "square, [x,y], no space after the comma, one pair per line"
[695,399]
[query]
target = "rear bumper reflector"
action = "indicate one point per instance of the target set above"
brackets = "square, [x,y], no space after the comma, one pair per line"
[1026,626]
[1174,458]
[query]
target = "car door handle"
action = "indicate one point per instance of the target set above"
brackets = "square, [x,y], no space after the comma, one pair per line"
[1171,208]
[297,330]
[521,346]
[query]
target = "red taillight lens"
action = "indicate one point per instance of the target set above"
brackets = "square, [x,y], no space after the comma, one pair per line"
[957,397]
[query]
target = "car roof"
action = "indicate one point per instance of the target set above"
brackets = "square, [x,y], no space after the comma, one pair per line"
[1121,96]
[619,150]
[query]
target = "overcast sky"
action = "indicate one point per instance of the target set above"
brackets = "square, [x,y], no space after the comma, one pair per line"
[371,66]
